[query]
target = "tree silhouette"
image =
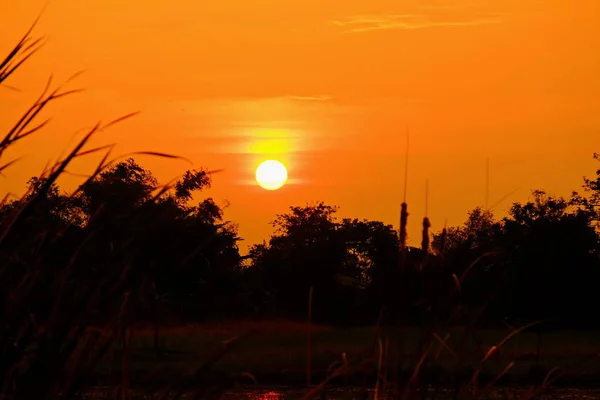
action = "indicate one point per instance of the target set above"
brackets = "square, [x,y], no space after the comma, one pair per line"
[161,245]
[478,231]
[339,259]
[305,251]
[549,250]
[591,203]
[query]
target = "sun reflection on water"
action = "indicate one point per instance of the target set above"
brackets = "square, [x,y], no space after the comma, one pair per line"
[271,395]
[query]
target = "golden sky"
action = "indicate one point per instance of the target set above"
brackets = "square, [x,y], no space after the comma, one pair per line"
[329,88]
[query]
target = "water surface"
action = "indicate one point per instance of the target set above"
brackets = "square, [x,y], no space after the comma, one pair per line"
[294,393]
[359,394]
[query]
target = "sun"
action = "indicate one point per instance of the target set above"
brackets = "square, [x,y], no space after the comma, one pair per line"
[271,175]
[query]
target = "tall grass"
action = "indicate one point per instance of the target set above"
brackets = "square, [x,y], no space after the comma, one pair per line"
[46,352]
[48,348]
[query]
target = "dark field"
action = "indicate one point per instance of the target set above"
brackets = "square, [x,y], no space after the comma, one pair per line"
[276,352]
[289,393]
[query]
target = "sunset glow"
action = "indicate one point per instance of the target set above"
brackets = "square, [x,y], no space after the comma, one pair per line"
[239,196]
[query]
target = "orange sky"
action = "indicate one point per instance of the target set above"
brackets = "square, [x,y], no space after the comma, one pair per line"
[329,87]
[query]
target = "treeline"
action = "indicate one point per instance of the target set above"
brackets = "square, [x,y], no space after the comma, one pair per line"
[124,245]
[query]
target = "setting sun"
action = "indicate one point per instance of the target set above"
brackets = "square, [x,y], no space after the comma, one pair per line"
[271,175]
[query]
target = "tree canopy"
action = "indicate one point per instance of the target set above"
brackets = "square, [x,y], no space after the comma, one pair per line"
[181,256]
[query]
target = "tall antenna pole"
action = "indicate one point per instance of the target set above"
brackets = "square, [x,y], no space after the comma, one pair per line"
[487,182]
[426,195]
[402,233]
[406,165]
[426,226]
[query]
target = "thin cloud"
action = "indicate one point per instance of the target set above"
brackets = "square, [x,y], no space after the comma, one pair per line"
[252,96]
[366,23]
[308,98]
